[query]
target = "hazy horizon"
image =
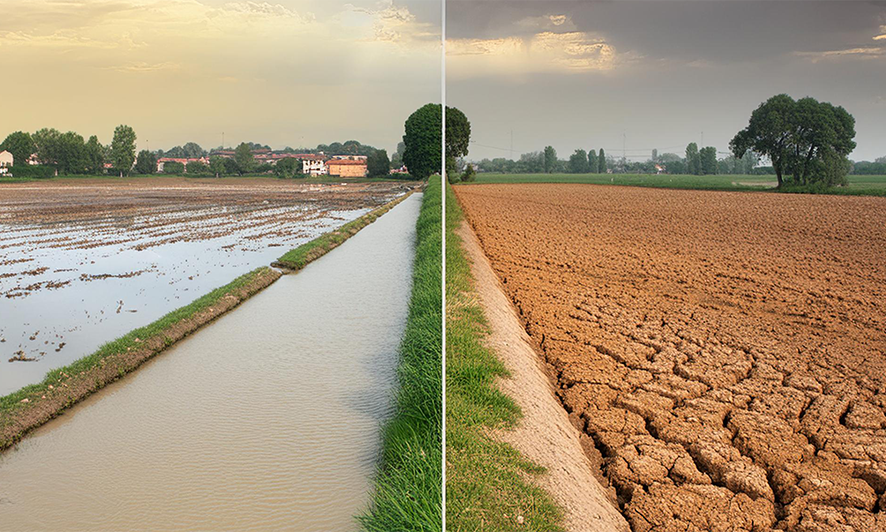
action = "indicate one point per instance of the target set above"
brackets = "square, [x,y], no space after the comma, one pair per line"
[283,73]
[646,75]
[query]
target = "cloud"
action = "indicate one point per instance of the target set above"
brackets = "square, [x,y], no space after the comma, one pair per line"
[869,52]
[542,52]
[558,22]
[394,25]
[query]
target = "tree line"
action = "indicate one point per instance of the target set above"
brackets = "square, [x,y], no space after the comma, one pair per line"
[70,154]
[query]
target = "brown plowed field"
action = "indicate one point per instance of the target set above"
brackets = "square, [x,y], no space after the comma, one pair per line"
[725,351]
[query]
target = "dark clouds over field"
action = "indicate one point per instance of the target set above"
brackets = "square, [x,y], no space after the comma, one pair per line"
[587,74]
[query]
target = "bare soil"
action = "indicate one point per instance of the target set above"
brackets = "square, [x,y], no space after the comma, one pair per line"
[726,352]
[544,434]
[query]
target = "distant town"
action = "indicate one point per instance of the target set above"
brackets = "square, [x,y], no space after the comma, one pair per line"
[49,153]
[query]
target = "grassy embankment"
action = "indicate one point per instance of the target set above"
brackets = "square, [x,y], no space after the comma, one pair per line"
[301,256]
[408,494]
[488,482]
[862,185]
[33,405]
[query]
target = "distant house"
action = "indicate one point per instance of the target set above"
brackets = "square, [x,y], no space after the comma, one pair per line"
[6,160]
[313,164]
[347,167]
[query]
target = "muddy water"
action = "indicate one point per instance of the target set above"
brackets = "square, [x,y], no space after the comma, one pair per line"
[90,296]
[266,420]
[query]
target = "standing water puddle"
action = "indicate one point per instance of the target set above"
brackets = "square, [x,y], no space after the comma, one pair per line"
[267,419]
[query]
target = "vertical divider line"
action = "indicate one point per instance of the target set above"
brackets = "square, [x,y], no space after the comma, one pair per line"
[444,183]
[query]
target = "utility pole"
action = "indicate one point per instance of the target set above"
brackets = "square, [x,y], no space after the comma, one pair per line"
[223,140]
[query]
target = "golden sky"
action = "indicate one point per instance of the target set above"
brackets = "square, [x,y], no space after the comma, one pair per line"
[294,72]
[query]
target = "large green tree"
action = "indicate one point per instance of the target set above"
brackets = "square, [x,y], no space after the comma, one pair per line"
[707,161]
[123,149]
[805,139]
[146,163]
[693,162]
[378,164]
[592,162]
[578,162]
[46,145]
[550,159]
[458,133]
[20,145]
[71,157]
[422,138]
[601,162]
[95,156]
[288,168]
[243,157]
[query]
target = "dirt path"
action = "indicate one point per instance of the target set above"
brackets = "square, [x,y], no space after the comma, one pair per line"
[544,435]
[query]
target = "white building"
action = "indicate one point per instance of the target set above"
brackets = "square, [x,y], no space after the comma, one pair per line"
[313,165]
[6,161]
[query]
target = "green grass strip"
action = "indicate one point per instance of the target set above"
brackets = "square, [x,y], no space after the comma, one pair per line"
[308,252]
[859,185]
[488,483]
[408,492]
[159,333]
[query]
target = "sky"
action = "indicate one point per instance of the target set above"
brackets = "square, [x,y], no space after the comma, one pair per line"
[630,76]
[285,73]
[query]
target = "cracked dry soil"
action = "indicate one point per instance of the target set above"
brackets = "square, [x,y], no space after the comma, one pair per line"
[725,352]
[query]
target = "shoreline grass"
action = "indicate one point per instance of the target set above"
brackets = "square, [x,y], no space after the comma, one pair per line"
[859,185]
[298,258]
[489,483]
[408,493]
[35,404]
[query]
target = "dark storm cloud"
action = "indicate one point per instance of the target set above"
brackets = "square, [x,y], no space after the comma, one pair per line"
[688,30]
[682,62]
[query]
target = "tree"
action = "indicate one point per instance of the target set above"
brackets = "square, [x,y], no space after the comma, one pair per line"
[550,159]
[196,168]
[243,157]
[693,163]
[470,174]
[601,161]
[806,139]
[46,145]
[231,166]
[578,162]
[71,155]
[378,164]
[217,165]
[123,149]
[192,150]
[145,163]
[20,145]
[458,134]
[95,156]
[707,161]
[654,155]
[288,168]
[422,139]
[592,162]
[173,168]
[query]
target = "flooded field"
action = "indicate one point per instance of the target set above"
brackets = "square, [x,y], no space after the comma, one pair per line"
[723,353]
[267,419]
[84,261]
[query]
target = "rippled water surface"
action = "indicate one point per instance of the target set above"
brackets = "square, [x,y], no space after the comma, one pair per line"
[267,419]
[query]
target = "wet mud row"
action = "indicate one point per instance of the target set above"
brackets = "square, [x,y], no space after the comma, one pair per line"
[724,354]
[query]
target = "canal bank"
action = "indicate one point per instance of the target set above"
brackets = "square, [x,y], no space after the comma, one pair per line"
[269,417]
